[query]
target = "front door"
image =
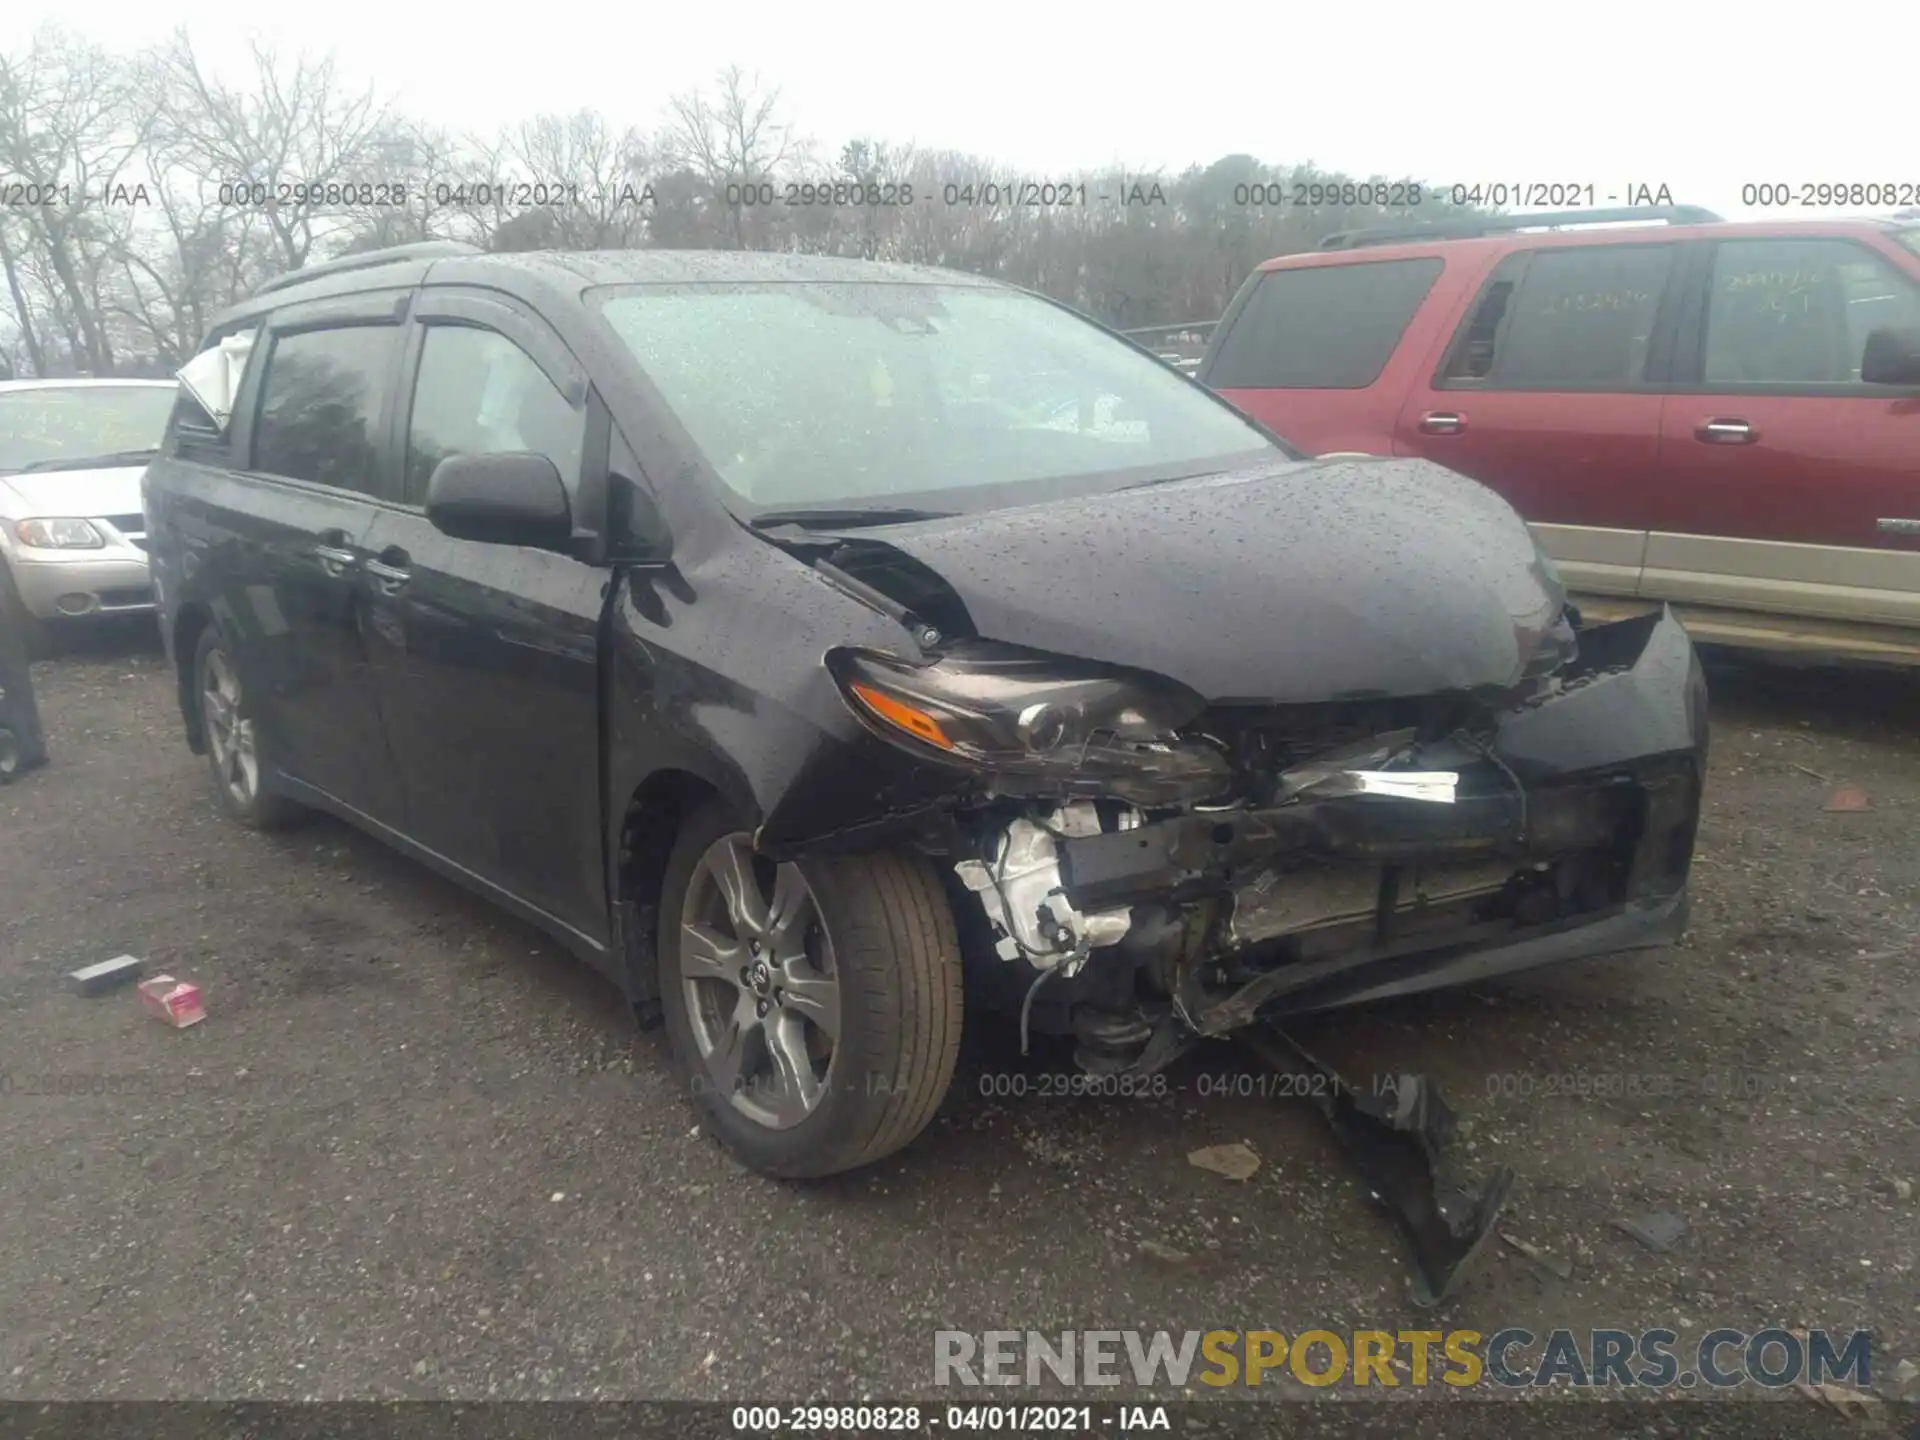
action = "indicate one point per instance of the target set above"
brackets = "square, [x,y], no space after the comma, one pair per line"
[1790,483]
[486,656]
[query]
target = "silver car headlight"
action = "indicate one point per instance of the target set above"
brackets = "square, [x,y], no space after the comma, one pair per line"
[59,534]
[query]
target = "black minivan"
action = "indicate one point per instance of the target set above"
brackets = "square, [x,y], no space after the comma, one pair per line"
[795,638]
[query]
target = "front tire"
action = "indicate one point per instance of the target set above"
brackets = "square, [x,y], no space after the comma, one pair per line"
[233,755]
[813,1007]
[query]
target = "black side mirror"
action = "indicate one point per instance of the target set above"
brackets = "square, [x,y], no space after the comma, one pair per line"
[1892,356]
[514,499]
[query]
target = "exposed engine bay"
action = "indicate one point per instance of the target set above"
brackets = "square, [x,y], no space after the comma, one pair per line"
[1352,861]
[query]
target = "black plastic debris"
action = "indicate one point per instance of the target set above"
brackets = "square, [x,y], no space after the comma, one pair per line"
[1397,1141]
[1658,1230]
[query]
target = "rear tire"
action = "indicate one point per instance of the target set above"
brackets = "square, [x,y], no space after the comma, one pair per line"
[814,1008]
[233,757]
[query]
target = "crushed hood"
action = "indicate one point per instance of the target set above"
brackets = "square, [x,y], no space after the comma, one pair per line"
[1306,581]
[85,494]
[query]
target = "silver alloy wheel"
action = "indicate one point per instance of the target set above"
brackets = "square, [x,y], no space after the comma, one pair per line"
[761,986]
[229,734]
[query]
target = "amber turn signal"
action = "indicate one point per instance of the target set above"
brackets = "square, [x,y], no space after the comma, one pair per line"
[903,716]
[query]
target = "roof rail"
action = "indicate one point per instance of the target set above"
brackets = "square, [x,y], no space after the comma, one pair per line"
[1502,224]
[369,259]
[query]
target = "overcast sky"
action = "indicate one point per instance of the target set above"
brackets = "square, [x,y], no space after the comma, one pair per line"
[1613,94]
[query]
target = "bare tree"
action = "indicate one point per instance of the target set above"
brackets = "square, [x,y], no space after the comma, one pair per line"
[63,113]
[282,150]
[172,193]
[734,141]
[568,182]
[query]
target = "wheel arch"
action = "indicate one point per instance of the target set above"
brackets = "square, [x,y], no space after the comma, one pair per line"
[649,824]
[192,622]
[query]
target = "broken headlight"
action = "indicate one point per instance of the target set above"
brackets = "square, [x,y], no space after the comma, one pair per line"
[1037,725]
[1554,649]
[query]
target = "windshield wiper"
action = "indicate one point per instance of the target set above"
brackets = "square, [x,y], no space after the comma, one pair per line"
[118,459]
[827,517]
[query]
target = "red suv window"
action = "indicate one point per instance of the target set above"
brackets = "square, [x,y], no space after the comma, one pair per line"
[1576,318]
[1329,327]
[1798,311]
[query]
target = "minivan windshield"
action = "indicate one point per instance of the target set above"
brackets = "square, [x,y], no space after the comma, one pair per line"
[1909,238]
[952,397]
[75,423]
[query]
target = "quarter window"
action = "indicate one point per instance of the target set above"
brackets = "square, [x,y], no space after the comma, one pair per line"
[478,393]
[1322,327]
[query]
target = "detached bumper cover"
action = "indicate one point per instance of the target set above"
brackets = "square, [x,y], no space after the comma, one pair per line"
[1589,800]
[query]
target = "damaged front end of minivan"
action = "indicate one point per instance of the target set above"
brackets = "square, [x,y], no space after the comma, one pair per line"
[1147,869]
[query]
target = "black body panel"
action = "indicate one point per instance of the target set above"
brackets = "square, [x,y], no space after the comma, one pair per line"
[1306,581]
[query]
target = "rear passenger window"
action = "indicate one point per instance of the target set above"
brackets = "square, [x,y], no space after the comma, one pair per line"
[1798,312]
[320,405]
[478,393]
[1327,327]
[1576,319]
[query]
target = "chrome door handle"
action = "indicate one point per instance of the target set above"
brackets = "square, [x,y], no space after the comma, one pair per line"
[1899,527]
[390,578]
[1442,422]
[1726,432]
[335,561]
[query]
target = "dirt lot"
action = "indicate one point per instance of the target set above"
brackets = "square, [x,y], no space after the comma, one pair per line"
[416,1151]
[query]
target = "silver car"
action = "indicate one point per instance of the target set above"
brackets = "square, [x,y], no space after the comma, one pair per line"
[72,540]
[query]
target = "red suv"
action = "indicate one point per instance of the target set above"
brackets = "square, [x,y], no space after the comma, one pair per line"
[1722,416]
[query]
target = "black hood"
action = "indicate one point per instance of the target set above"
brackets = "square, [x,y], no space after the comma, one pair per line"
[1306,581]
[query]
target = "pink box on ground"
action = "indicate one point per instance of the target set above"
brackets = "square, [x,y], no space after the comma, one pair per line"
[175,1001]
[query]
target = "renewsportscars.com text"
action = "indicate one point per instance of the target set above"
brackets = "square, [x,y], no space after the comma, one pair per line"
[1647,1359]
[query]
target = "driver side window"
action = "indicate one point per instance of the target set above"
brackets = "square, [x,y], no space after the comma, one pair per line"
[478,393]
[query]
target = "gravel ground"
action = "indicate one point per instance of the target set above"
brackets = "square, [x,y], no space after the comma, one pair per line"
[416,1151]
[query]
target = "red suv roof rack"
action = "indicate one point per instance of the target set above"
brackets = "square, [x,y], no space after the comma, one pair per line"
[1501,224]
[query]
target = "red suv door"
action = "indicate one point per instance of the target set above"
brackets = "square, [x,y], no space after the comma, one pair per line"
[1792,484]
[1548,390]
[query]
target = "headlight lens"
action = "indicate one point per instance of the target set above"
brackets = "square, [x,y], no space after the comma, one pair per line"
[1038,725]
[1557,648]
[59,534]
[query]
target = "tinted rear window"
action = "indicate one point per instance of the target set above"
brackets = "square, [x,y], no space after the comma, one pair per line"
[321,404]
[1331,327]
[1581,318]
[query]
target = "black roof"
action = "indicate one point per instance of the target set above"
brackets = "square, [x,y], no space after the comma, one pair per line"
[571,271]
